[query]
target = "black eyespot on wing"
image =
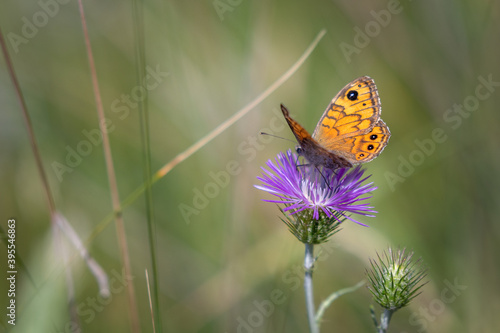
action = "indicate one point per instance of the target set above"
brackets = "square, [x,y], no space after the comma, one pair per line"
[373,136]
[352,95]
[370,147]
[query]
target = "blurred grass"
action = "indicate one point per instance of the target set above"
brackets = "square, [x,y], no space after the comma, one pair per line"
[236,251]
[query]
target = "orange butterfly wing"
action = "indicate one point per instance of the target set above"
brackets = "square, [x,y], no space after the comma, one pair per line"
[310,149]
[351,126]
[300,132]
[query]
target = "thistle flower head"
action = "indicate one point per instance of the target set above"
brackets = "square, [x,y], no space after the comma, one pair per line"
[395,278]
[312,194]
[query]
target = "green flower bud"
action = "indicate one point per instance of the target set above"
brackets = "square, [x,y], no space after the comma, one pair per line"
[395,278]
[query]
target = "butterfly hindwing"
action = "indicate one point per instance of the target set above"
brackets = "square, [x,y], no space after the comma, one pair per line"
[370,145]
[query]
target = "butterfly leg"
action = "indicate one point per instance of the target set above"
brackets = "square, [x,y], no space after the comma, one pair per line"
[297,165]
[324,178]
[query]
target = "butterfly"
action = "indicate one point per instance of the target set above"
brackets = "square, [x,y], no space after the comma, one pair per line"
[350,130]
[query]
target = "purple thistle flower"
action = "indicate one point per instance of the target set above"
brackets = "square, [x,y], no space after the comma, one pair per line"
[334,193]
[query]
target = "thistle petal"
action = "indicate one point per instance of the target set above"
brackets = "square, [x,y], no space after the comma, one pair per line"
[322,190]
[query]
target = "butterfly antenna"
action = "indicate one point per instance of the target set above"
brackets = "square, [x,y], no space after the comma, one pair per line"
[279,137]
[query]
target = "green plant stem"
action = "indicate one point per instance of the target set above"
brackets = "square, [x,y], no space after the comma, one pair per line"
[327,302]
[308,287]
[385,318]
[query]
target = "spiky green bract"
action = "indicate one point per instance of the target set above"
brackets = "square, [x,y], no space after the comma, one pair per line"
[309,230]
[395,278]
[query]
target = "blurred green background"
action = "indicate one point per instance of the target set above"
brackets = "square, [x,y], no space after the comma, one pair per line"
[223,262]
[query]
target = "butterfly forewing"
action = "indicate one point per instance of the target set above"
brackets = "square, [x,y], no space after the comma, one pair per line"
[300,132]
[353,111]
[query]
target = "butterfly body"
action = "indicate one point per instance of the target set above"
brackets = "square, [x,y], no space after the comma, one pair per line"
[350,130]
